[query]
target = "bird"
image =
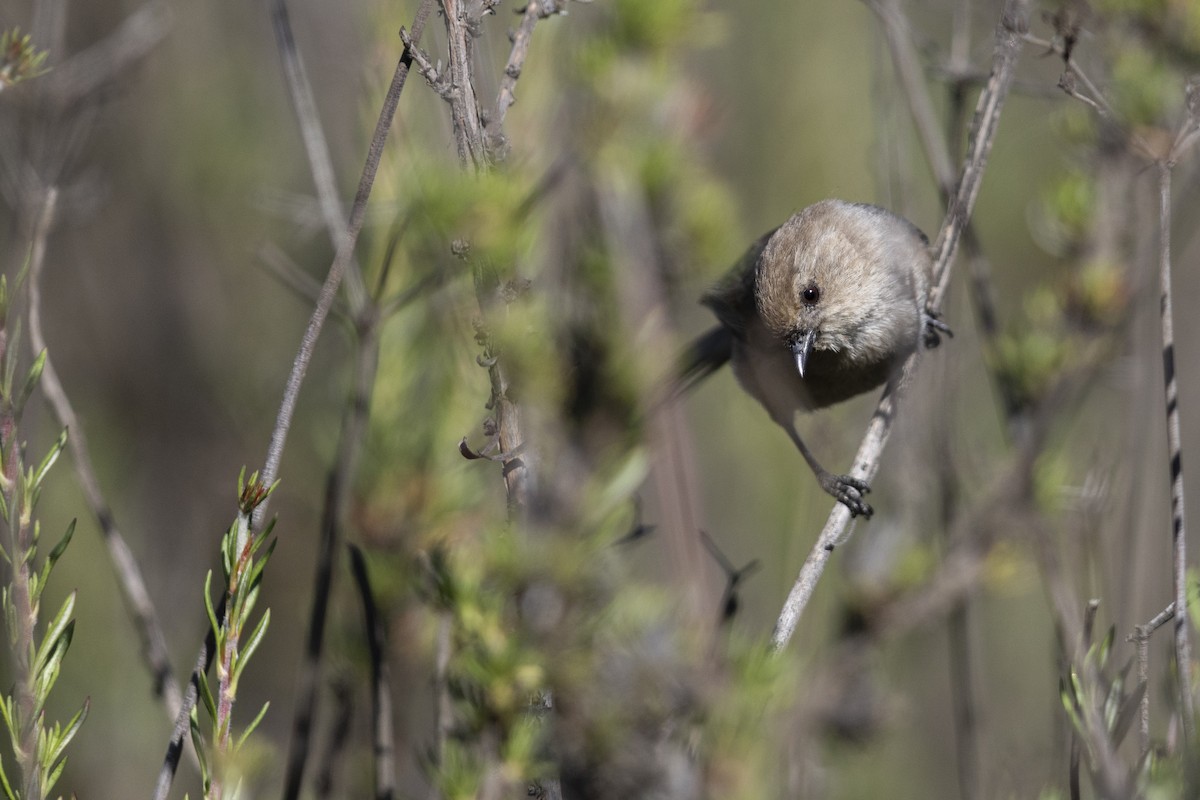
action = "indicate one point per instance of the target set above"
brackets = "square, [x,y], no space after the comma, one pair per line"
[823,308]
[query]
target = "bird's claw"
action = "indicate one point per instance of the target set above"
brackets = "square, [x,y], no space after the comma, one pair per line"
[848,491]
[934,328]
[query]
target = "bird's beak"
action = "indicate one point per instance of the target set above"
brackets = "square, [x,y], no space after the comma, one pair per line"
[802,348]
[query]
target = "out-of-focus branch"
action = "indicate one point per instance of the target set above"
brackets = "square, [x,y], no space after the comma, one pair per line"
[100,65]
[308,343]
[908,70]
[464,103]
[1013,23]
[316,146]
[1183,649]
[182,726]
[129,575]
[337,497]
[1141,639]
[939,154]
[381,690]
[626,220]
[341,262]
[534,11]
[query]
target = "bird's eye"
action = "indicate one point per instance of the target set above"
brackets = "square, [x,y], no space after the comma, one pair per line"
[811,295]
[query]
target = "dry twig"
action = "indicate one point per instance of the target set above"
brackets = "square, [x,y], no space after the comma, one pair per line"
[1013,23]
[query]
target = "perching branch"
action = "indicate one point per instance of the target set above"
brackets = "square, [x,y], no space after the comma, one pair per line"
[1013,23]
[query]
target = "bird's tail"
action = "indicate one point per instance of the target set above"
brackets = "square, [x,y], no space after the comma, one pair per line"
[704,356]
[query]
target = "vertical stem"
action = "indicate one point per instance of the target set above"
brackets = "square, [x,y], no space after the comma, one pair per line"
[1183,656]
[25,613]
[1142,639]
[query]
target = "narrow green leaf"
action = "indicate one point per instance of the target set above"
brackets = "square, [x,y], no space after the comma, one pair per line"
[201,751]
[246,606]
[255,574]
[208,606]
[52,456]
[10,361]
[31,380]
[72,728]
[9,794]
[250,728]
[53,776]
[48,675]
[60,624]
[253,642]
[206,696]
[1106,645]
[6,710]
[61,547]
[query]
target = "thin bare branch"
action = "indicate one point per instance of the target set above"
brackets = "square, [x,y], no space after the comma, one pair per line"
[1183,657]
[129,575]
[1141,639]
[534,11]
[1013,23]
[179,734]
[299,367]
[340,262]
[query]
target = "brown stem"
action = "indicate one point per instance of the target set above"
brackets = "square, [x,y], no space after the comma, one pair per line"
[1013,23]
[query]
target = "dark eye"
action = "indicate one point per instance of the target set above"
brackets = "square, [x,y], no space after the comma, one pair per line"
[811,295]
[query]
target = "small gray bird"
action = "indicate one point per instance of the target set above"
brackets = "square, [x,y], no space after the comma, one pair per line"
[825,307]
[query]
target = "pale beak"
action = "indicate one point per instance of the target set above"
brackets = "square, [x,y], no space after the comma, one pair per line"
[802,348]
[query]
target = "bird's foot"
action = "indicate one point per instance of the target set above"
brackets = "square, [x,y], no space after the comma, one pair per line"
[934,328]
[848,491]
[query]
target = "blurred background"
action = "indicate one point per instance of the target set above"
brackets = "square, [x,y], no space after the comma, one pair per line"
[187,211]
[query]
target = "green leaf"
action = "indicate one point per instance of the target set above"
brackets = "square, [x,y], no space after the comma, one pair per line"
[48,462]
[201,752]
[45,678]
[206,696]
[9,794]
[245,606]
[252,643]
[72,728]
[1106,645]
[53,776]
[208,607]
[10,361]
[255,574]
[60,626]
[31,381]
[61,547]
[250,728]
[10,721]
